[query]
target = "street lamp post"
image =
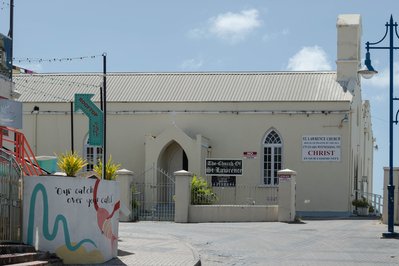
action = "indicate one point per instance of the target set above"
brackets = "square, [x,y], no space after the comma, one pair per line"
[391,28]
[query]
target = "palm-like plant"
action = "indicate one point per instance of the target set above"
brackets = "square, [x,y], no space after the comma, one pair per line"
[71,163]
[110,169]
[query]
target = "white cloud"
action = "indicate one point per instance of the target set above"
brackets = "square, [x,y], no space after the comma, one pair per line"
[235,26]
[232,27]
[308,59]
[381,80]
[192,64]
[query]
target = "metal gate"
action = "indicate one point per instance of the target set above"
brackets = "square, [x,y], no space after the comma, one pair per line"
[10,199]
[154,201]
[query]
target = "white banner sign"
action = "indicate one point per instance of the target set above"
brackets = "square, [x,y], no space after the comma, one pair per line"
[321,148]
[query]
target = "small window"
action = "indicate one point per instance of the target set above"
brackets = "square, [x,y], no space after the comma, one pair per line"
[93,154]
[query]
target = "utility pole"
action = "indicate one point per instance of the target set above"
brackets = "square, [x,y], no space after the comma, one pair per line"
[11,34]
[104,105]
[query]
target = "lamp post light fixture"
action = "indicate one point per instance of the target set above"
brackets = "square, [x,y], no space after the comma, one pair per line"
[368,72]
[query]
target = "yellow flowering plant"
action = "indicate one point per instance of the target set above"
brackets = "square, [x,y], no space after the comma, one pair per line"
[110,169]
[70,163]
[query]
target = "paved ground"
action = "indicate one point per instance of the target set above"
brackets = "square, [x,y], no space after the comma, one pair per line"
[323,242]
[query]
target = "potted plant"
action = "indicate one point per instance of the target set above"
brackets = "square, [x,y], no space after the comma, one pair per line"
[70,163]
[362,206]
[82,214]
[110,169]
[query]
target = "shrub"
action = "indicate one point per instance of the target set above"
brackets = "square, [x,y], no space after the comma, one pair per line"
[70,163]
[110,169]
[371,209]
[201,192]
[360,203]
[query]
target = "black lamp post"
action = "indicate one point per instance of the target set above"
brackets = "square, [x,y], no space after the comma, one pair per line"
[391,28]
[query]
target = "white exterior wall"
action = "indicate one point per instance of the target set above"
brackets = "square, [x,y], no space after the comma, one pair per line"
[232,213]
[324,186]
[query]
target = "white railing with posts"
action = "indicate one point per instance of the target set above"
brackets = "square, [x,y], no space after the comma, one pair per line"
[374,199]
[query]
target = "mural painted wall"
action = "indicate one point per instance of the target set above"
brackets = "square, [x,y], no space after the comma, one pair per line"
[75,218]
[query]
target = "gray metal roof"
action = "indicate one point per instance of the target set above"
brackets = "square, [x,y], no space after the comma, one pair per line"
[184,87]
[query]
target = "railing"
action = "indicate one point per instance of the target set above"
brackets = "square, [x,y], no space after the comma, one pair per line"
[374,199]
[10,199]
[17,145]
[238,195]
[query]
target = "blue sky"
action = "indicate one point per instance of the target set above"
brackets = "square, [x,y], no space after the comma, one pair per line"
[206,35]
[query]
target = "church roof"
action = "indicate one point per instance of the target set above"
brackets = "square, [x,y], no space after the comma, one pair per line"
[184,87]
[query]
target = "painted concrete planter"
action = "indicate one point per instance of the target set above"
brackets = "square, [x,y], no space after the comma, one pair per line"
[75,218]
[363,211]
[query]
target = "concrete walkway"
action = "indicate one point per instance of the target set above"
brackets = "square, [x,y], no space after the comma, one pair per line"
[135,248]
[314,242]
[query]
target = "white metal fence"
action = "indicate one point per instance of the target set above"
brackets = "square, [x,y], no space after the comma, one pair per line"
[10,199]
[375,200]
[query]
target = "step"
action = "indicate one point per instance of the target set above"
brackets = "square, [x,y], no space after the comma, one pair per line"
[50,262]
[15,248]
[51,258]
[17,258]
[31,263]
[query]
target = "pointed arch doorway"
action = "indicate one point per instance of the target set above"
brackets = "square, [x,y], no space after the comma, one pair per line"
[173,158]
[170,151]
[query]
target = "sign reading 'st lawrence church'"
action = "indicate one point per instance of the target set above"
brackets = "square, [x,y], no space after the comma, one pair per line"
[223,167]
[321,148]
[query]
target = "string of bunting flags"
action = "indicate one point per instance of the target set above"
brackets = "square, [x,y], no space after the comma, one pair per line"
[36,91]
[4,4]
[46,79]
[52,60]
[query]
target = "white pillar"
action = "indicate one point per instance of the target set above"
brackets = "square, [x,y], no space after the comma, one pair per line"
[286,197]
[125,178]
[183,195]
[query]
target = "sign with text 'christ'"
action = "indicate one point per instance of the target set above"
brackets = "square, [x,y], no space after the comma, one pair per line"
[321,148]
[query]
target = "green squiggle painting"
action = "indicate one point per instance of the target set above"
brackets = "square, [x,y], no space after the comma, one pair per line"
[59,219]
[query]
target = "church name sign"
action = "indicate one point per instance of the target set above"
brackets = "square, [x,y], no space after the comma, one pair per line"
[223,167]
[322,148]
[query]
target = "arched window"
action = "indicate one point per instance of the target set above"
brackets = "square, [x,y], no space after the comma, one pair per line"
[272,158]
[92,154]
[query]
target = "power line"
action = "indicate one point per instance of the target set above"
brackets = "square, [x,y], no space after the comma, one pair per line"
[57,81]
[4,4]
[53,60]
[39,92]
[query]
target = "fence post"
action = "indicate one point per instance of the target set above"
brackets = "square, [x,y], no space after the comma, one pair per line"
[183,195]
[287,194]
[125,178]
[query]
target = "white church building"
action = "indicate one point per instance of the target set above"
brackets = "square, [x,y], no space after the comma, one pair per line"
[315,123]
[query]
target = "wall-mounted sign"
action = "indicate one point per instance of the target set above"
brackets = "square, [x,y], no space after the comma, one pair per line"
[96,127]
[322,148]
[250,154]
[284,178]
[10,113]
[223,181]
[223,167]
